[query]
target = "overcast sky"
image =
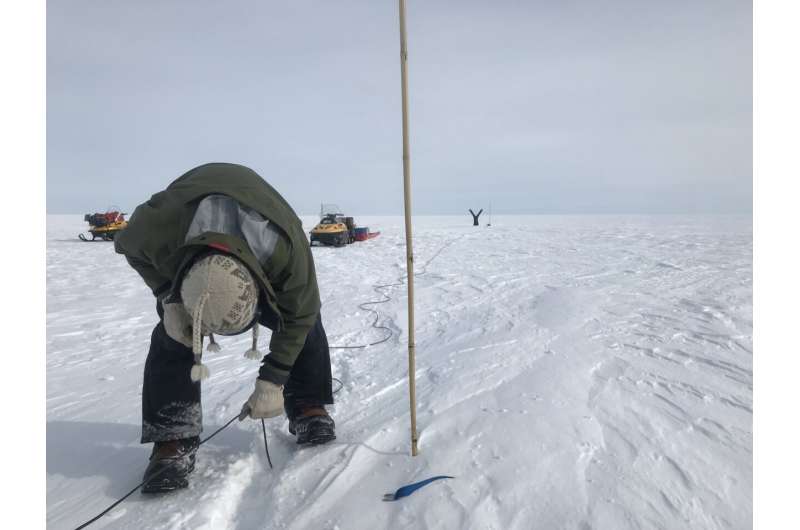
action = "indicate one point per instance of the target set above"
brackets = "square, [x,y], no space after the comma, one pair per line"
[623,106]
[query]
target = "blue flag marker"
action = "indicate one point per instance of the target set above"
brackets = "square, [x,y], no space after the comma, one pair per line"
[405,491]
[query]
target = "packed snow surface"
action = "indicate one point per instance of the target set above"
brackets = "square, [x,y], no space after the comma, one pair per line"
[572,372]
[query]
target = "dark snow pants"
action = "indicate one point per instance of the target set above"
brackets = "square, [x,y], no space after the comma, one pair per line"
[171,400]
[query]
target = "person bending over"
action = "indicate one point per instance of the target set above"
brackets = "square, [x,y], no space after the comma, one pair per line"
[224,253]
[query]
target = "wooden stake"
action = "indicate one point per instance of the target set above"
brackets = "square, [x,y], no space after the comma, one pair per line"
[412,387]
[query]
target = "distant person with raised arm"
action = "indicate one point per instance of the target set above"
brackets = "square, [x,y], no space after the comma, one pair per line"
[475,216]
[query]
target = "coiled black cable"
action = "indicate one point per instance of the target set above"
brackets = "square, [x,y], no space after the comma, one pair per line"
[376,288]
[387,298]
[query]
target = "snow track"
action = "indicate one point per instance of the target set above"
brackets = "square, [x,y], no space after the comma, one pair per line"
[572,372]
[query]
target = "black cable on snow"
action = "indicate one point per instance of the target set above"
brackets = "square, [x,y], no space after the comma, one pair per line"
[101,514]
[376,288]
[387,298]
[377,315]
[266,448]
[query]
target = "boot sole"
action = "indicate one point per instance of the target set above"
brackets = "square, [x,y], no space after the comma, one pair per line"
[318,438]
[165,486]
[314,432]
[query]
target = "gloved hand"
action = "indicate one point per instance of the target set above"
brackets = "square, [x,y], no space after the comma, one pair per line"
[266,401]
[178,323]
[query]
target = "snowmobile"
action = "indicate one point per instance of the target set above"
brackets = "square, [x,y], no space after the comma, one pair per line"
[104,225]
[333,228]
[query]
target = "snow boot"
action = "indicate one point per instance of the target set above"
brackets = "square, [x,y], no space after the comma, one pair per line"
[170,465]
[313,425]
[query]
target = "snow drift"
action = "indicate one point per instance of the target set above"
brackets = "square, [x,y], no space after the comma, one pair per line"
[572,372]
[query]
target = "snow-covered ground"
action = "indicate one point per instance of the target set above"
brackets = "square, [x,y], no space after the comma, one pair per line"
[572,372]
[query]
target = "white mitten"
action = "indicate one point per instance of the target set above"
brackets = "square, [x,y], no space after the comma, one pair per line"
[266,401]
[178,323]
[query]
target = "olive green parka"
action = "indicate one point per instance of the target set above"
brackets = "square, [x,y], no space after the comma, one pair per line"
[157,245]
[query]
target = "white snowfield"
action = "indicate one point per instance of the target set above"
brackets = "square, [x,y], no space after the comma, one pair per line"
[572,372]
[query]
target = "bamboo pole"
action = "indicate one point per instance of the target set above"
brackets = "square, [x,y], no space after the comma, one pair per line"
[412,387]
